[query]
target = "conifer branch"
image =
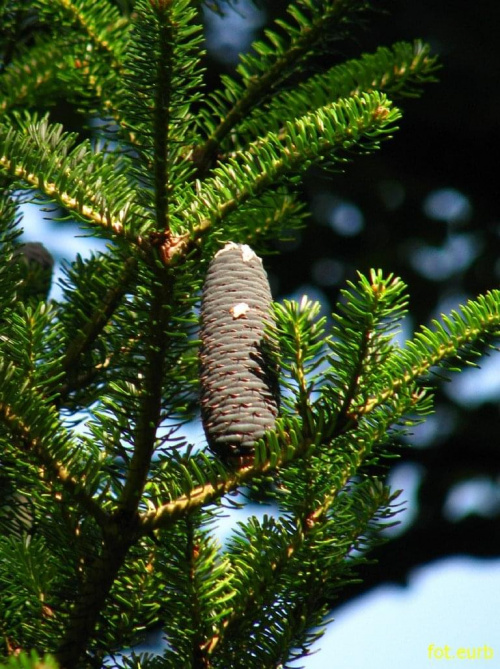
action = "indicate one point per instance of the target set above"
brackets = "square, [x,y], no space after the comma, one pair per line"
[383,305]
[207,493]
[65,199]
[121,344]
[297,535]
[167,514]
[279,561]
[327,134]
[295,447]
[90,601]
[162,77]
[58,473]
[309,611]
[460,333]
[30,75]
[97,23]
[398,71]
[259,84]
[79,180]
[82,78]
[150,410]
[198,654]
[161,113]
[100,318]
[294,538]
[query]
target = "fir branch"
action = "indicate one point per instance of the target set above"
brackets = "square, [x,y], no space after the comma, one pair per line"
[276,450]
[65,199]
[300,338]
[399,71]
[161,114]
[209,588]
[98,23]
[276,215]
[167,514]
[275,62]
[23,660]
[279,553]
[459,335]
[86,183]
[98,91]
[85,65]
[328,135]
[362,339]
[192,554]
[96,323]
[127,333]
[9,233]
[355,516]
[90,601]
[151,400]
[162,80]
[34,440]
[258,554]
[31,370]
[207,493]
[30,76]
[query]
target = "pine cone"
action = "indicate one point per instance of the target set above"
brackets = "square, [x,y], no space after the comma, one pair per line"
[239,386]
[36,271]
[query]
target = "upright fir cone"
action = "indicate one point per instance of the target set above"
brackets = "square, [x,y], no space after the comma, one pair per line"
[239,381]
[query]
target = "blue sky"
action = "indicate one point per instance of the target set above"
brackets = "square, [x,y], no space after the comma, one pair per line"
[451,602]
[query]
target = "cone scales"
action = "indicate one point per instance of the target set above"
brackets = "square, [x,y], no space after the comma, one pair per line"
[239,389]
